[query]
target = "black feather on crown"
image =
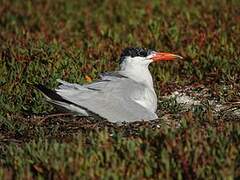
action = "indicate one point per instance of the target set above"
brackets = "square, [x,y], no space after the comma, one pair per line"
[133,52]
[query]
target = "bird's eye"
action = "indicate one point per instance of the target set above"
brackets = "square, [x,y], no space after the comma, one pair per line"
[143,53]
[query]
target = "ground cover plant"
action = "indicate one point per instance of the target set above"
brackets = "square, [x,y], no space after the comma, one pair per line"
[41,41]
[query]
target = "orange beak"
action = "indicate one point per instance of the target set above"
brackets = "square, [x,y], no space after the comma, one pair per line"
[164,56]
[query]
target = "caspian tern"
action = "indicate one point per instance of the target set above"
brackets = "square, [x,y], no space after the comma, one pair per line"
[125,95]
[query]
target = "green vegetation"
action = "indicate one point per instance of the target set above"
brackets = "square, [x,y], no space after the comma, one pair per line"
[41,41]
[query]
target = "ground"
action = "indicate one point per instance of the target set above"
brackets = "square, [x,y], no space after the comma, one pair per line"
[198,130]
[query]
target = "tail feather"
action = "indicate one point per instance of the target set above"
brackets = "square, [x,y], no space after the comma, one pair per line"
[51,94]
[58,100]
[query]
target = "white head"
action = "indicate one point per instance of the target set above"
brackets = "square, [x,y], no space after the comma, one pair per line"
[134,63]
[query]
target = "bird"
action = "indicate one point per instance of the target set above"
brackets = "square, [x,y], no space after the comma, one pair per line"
[125,95]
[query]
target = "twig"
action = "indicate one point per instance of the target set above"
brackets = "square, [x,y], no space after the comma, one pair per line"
[54,115]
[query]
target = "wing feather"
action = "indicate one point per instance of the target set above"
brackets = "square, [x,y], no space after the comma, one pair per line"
[111,98]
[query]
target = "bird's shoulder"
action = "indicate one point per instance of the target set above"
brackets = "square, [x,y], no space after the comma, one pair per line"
[115,82]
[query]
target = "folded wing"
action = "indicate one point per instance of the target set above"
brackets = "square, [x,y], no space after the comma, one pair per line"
[110,98]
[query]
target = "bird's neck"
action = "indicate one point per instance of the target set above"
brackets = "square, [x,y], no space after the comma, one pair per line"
[139,74]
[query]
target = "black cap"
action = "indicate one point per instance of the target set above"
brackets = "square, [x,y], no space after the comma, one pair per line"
[133,52]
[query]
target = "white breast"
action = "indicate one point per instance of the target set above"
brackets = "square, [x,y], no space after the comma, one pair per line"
[148,99]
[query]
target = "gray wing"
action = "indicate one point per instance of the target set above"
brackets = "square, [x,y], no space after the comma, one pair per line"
[110,98]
